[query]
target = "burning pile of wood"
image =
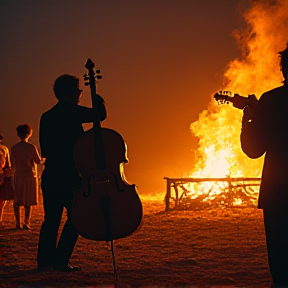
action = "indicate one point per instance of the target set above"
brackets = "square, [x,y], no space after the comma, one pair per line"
[211,192]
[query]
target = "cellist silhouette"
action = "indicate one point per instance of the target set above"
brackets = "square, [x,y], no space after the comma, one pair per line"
[106,207]
[60,127]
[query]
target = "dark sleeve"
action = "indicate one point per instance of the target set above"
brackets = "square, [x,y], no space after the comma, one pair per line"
[101,108]
[250,143]
[253,134]
[87,115]
[43,137]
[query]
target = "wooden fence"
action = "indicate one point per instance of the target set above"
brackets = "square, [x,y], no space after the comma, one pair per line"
[233,184]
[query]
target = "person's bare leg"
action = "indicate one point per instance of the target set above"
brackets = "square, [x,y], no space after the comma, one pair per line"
[17,215]
[2,205]
[27,217]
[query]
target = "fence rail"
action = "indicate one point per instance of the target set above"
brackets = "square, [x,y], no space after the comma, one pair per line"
[233,183]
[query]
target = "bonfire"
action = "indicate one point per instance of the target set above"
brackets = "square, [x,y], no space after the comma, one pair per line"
[218,128]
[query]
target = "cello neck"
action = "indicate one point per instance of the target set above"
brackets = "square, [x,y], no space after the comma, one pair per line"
[100,161]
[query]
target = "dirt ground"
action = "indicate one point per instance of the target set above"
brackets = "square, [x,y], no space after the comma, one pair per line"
[207,248]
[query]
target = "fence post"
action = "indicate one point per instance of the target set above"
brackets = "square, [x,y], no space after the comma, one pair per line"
[168,194]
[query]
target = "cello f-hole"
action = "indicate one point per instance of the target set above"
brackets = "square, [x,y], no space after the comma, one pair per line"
[117,185]
[87,194]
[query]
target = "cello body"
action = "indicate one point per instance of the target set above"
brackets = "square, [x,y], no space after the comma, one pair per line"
[104,208]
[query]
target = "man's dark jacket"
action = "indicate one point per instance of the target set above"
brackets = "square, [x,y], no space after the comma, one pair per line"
[268,133]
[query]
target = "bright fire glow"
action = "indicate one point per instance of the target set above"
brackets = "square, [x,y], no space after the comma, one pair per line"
[218,128]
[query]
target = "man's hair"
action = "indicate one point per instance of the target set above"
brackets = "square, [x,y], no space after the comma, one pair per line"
[64,84]
[1,137]
[24,130]
[284,58]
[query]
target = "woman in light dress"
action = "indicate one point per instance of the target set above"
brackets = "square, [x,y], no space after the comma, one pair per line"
[24,160]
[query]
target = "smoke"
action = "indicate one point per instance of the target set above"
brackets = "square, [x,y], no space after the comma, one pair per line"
[218,128]
[266,34]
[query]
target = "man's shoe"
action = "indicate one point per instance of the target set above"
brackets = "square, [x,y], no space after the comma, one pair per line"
[66,268]
[44,268]
[18,227]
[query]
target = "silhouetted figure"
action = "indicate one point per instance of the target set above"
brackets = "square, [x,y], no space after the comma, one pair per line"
[24,160]
[60,128]
[264,130]
[6,190]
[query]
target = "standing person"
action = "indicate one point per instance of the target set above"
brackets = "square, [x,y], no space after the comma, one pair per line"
[24,160]
[60,127]
[6,189]
[264,130]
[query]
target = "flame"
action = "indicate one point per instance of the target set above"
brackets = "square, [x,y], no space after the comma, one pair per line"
[218,128]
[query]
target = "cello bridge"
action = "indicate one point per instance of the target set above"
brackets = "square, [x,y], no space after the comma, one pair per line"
[103,187]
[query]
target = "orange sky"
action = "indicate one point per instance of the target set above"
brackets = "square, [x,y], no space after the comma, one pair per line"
[160,59]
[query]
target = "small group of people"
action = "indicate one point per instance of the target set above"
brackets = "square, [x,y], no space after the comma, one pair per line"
[18,176]
[60,128]
[264,129]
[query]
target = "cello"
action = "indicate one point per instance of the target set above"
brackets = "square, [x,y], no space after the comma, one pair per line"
[106,207]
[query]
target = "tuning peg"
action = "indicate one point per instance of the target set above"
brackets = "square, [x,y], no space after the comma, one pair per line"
[86,77]
[98,77]
[98,71]
[86,83]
